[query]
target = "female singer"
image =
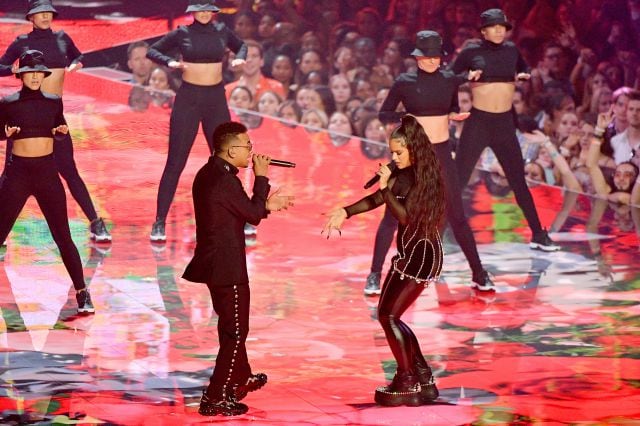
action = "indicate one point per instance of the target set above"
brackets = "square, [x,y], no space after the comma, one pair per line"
[415,196]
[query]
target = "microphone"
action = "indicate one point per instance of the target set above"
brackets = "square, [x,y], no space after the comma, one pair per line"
[281,163]
[374,179]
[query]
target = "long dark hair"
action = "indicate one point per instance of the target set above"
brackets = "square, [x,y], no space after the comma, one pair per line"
[425,202]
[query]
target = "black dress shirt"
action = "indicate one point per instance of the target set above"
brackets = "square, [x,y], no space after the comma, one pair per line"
[222,208]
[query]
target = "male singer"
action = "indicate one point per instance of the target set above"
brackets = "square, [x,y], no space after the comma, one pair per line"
[222,208]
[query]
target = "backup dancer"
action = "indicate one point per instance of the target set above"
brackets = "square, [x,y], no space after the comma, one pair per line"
[201,97]
[60,55]
[492,121]
[32,169]
[431,95]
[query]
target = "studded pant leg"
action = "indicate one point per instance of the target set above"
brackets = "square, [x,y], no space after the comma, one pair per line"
[231,303]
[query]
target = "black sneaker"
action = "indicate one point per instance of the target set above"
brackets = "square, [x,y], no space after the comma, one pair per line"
[99,231]
[485,283]
[209,407]
[542,241]
[373,284]
[157,231]
[253,383]
[85,306]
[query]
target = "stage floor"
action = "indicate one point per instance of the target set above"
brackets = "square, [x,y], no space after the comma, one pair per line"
[558,343]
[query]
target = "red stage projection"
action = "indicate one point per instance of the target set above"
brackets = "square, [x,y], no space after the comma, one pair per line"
[558,343]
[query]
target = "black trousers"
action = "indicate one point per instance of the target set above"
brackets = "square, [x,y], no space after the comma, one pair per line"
[455,217]
[38,176]
[193,105]
[63,153]
[397,295]
[498,132]
[231,303]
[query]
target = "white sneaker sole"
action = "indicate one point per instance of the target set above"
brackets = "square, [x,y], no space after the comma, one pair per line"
[483,288]
[537,246]
[156,238]
[98,239]
[372,292]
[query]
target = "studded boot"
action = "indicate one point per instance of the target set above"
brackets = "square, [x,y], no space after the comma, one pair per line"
[404,389]
[428,390]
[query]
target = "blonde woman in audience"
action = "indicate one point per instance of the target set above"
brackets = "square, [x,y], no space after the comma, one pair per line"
[314,119]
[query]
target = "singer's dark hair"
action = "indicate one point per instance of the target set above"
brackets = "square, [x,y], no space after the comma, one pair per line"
[425,202]
[226,133]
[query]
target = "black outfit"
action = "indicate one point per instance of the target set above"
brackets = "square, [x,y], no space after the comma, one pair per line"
[499,63]
[59,52]
[417,264]
[222,208]
[194,104]
[37,176]
[434,94]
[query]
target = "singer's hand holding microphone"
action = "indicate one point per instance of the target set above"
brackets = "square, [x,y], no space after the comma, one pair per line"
[262,162]
[276,200]
[386,170]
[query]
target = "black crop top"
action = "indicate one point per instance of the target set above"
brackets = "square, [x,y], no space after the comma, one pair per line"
[58,48]
[422,94]
[18,109]
[197,43]
[498,62]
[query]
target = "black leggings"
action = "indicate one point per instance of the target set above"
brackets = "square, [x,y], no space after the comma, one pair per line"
[193,105]
[397,295]
[496,131]
[455,217]
[38,176]
[63,153]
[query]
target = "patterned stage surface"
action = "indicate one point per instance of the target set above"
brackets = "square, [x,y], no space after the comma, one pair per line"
[557,344]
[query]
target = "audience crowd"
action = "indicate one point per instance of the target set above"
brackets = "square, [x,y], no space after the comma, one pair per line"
[328,64]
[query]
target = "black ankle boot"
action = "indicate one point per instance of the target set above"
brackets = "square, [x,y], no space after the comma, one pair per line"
[428,390]
[404,389]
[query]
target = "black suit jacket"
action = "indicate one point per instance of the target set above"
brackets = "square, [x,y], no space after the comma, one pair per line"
[222,208]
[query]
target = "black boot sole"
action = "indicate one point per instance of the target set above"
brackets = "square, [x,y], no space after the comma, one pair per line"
[394,399]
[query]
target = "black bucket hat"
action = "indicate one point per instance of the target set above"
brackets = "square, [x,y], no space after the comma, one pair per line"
[32,61]
[491,17]
[202,6]
[428,43]
[38,6]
